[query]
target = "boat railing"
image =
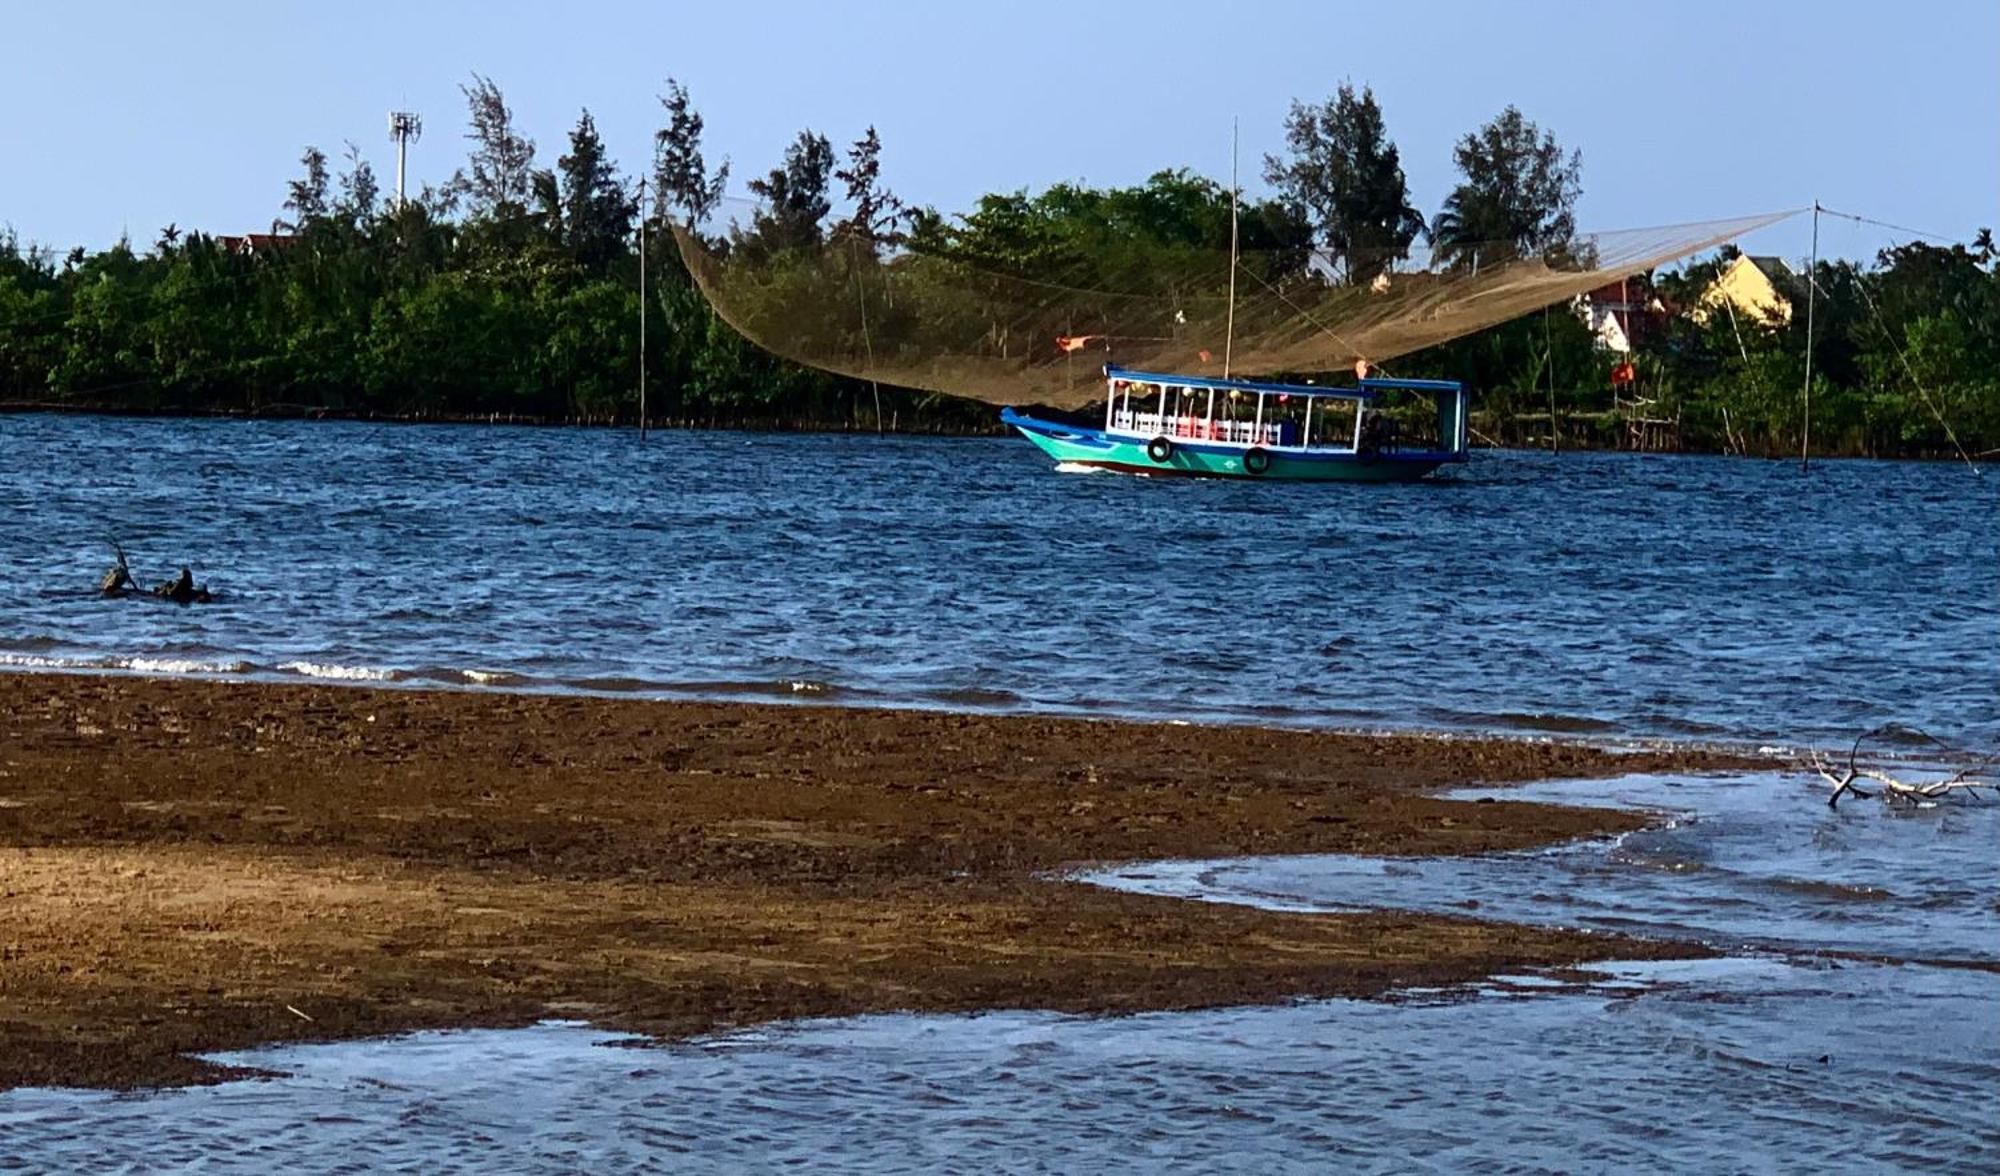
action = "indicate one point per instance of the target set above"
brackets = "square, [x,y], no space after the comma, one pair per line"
[1197,427]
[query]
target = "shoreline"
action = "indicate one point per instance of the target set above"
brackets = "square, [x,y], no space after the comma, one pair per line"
[1580,731]
[786,425]
[195,865]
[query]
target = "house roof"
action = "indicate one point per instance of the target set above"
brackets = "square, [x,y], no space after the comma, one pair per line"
[1773,268]
[249,242]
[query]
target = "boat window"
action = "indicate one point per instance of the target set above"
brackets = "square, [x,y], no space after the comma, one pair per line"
[1407,419]
[1333,423]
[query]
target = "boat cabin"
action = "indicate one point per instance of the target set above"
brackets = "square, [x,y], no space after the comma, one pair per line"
[1374,415]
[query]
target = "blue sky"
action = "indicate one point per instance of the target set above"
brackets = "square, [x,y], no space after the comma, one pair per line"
[127,116]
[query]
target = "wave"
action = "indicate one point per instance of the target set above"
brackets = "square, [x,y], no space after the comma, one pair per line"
[182,665]
[975,696]
[782,687]
[33,661]
[342,673]
[34,644]
[1566,724]
[138,665]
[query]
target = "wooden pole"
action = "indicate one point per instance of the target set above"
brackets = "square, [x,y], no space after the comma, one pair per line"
[1812,297]
[1549,358]
[642,308]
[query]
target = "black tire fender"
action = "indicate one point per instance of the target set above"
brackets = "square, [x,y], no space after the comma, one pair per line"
[1160,450]
[1256,460]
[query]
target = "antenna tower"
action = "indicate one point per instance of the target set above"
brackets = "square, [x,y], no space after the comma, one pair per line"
[405,126]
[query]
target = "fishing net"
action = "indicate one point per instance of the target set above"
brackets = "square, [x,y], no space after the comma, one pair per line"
[1037,330]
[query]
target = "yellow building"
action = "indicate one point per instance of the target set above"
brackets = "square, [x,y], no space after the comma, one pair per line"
[1758,287]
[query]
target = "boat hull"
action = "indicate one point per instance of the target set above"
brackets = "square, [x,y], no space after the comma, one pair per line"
[1080,446]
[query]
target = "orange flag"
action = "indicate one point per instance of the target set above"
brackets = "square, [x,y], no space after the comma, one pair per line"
[1074,342]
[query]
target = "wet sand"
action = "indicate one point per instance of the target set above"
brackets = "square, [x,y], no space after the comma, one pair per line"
[196,866]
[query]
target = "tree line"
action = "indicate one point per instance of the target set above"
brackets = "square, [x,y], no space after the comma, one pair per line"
[513,290]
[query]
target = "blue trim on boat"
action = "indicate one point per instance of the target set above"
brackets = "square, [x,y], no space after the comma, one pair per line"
[1099,439]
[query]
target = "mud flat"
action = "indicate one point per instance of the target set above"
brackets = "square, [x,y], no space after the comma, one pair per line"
[195,865]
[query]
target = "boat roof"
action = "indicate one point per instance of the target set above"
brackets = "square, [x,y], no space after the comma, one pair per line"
[1365,390]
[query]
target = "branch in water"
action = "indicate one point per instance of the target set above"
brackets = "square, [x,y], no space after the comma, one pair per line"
[1972,783]
[181,589]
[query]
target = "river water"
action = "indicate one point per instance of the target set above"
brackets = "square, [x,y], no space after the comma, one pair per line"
[1608,596]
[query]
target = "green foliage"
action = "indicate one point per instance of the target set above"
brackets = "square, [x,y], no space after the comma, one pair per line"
[1519,189]
[1346,174]
[796,200]
[596,214]
[515,291]
[681,181]
[877,212]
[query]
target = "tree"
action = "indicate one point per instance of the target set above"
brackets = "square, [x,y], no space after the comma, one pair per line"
[877,213]
[795,196]
[307,199]
[358,190]
[1347,175]
[502,176]
[680,175]
[1519,189]
[596,212]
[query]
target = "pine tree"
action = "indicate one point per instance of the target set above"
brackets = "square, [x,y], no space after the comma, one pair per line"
[1347,176]
[359,192]
[307,199]
[596,212]
[795,196]
[1520,190]
[680,176]
[876,212]
[501,179]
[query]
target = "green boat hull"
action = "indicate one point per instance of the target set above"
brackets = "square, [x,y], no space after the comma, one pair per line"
[1087,448]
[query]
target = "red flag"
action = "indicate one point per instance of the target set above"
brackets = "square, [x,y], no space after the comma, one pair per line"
[1074,342]
[1205,357]
[1624,373]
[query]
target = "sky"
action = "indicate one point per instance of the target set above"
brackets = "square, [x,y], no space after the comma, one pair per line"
[124,117]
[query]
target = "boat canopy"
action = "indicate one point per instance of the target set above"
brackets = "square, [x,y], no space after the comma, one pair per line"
[1367,389]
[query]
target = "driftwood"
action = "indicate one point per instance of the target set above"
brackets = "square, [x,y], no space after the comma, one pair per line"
[1972,783]
[117,581]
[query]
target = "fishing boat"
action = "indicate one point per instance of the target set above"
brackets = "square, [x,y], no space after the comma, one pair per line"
[1377,430]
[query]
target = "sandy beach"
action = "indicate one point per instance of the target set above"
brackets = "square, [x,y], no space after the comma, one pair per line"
[194,865]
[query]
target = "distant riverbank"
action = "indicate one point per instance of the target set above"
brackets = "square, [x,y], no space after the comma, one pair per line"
[1595,431]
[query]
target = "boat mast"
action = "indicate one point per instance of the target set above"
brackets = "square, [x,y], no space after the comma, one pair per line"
[1229,335]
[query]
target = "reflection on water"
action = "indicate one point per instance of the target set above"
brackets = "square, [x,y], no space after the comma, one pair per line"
[1752,861]
[1747,1066]
[1593,594]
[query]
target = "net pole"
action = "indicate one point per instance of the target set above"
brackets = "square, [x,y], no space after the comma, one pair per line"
[1229,331]
[1549,358]
[1812,293]
[642,308]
